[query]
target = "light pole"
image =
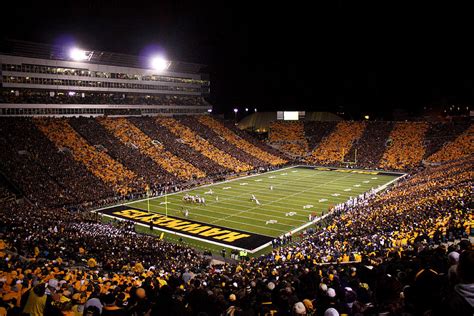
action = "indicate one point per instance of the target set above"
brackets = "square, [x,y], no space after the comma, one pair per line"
[235,114]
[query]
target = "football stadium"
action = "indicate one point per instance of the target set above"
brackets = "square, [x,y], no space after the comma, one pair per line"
[134,183]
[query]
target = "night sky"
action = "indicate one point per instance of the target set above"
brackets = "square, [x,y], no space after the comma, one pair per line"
[350,56]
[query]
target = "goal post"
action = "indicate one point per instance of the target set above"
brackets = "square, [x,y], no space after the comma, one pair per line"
[352,160]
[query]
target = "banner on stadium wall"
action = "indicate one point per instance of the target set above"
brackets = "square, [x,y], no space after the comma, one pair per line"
[193,229]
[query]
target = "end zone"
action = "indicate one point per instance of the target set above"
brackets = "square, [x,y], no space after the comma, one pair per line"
[217,235]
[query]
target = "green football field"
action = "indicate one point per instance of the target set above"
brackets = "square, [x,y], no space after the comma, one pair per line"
[297,192]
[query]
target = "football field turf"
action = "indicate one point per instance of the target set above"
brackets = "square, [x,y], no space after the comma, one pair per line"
[230,218]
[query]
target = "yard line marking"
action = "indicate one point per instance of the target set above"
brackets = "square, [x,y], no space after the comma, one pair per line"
[199,208]
[245,211]
[347,190]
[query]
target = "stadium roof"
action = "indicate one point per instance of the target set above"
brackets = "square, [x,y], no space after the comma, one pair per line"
[57,52]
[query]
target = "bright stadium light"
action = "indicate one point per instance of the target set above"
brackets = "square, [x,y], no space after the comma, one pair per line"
[209,110]
[255,110]
[246,109]
[236,110]
[78,54]
[159,63]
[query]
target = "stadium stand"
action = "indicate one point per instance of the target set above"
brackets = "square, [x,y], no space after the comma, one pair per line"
[462,146]
[240,142]
[130,134]
[317,131]
[405,149]
[367,260]
[289,137]
[98,163]
[441,133]
[220,142]
[46,175]
[334,147]
[142,165]
[201,145]
[178,148]
[252,140]
[370,147]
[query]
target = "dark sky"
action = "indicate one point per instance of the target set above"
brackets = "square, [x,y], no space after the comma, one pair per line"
[355,55]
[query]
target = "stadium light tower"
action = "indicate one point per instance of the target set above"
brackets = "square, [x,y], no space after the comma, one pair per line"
[159,63]
[235,114]
[78,54]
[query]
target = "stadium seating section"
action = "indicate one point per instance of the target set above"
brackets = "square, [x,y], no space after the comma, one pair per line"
[124,130]
[201,145]
[384,145]
[334,147]
[289,137]
[462,146]
[240,142]
[406,148]
[97,161]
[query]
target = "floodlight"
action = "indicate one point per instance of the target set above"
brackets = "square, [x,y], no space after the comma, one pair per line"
[246,109]
[78,54]
[366,117]
[159,63]
[209,110]
[255,110]
[236,110]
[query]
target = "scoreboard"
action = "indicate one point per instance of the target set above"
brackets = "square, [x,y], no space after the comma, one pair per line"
[290,115]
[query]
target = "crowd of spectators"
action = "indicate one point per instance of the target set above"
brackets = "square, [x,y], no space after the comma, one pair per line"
[128,133]
[397,253]
[40,171]
[201,145]
[178,148]
[317,131]
[147,170]
[97,162]
[70,97]
[441,133]
[405,148]
[289,137]
[240,142]
[336,145]
[462,146]
[219,142]
[250,138]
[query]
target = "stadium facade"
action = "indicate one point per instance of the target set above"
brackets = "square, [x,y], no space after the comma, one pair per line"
[38,79]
